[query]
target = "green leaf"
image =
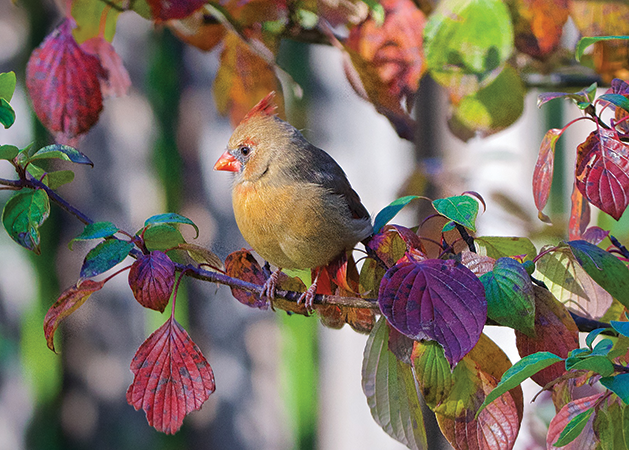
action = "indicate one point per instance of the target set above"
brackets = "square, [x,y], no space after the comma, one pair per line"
[162,237]
[88,16]
[462,209]
[619,385]
[499,246]
[96,230]
[599,364]
[616,99]
[58,151]
[589,339]
[170,218]
[390,389]
[8,152]
[7,115]
[104,256]
[585,42]
[574,428]
[470,38]
[432,371]
[620,327]
[22,216]
[520,371]
[51,179]
[603,347]
[390,211]
[7,85]
[376,10]
[607,270]
[510,296]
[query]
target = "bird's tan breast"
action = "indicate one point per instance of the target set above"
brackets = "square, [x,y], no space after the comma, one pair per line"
[293,226]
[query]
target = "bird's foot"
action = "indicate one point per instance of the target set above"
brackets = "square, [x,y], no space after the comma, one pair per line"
[308,297]
[269,287]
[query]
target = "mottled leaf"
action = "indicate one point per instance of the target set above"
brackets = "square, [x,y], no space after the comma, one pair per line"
[539,25]
[390,389]
[393,48]
[616,99]
[64,85]
[432,371]
[243,78]
[571,285]
[478,264]
[104,256]
[563,418]
[437,300]
[607,270]
[574,428]
[171,377]
[202,255]
[602,171]
[510,296]
[390,211]
[22,216]
[393,241]
[595,235]
[242,265]
[555,332]
[543,173]
[462,209]
[151,279]
[68,302]
[582,98]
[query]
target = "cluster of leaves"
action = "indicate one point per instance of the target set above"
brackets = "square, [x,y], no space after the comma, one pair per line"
[601,175]
[479,51]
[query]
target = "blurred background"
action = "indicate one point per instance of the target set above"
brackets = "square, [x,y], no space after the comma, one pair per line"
[282,382]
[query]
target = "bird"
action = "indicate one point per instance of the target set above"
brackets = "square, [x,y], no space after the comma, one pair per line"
[292,201]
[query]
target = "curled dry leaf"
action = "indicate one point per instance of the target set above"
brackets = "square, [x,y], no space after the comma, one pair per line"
[171,377]
[151,279]
[68,302]
[63,82]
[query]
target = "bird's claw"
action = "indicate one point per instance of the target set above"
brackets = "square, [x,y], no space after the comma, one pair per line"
[307,298]
[269,287]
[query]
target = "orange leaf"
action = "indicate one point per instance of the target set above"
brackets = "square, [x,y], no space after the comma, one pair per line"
[543,173]
[171,377]
[579,214]
[243,78]
[538,25]
[242,265]
[555,331]
[68,302]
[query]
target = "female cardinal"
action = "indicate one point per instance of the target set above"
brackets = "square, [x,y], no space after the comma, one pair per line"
[293,203]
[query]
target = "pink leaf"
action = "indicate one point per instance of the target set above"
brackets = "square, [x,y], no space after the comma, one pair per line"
[117,82]
[587,439]
[64,85]
[171,377]
[602,172]
[543,173]
[579,214]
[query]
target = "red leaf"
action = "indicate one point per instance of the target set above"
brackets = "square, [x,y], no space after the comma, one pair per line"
[242,265]
[394,48]
[173,9]
[64,85]
[151,279]
[171,377]
[555,332]
[586,439]
[579,215]
[117,82]
[543,173]
[602,172]
[68,302]
[437,300]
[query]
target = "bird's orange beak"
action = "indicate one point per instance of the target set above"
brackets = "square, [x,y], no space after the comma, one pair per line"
[227,162]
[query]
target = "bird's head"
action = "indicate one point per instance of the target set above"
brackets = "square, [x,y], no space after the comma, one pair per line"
[257,140]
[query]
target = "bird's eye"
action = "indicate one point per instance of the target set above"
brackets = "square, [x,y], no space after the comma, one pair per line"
[244,150]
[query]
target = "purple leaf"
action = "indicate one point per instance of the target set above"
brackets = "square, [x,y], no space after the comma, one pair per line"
[437,300]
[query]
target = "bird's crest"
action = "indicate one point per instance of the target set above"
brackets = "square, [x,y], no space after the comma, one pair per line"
[265,107]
